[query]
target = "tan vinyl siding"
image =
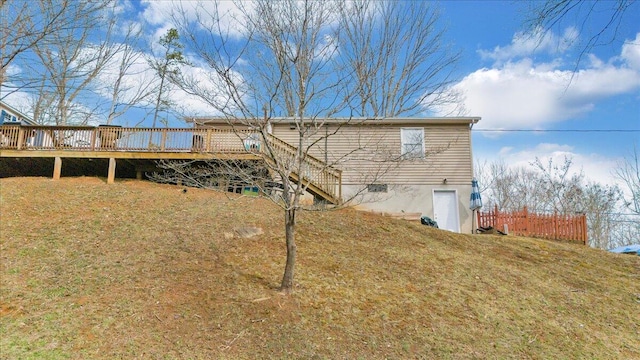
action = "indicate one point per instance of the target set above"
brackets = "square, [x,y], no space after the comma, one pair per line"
[371,153]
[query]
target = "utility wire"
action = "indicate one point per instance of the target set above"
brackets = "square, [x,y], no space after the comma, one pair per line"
[558,130]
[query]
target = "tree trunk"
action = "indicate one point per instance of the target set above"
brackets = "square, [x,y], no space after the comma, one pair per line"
[290,234]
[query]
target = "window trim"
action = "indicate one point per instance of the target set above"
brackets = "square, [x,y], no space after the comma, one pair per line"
[408,155]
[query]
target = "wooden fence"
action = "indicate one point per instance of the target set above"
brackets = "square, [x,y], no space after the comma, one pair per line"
[546,226]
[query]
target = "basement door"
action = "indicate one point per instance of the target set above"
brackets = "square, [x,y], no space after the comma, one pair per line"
[445,210]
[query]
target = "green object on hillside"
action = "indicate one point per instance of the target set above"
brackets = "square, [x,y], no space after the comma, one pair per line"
[250,190]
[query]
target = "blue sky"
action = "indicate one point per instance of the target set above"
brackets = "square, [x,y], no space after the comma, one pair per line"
[513,81]
[513,84]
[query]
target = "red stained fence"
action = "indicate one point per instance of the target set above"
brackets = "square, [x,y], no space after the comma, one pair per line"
[523,223]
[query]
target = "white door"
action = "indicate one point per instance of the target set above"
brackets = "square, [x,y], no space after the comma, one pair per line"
[445,210]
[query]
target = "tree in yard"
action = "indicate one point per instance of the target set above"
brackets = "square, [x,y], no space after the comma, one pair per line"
[78,61]
[61,73]
[397,59]
[561,189]
[306,62]
[166,67]
[26,23]
[124,77]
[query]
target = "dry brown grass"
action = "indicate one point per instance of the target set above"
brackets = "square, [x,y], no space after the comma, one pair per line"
[139,270]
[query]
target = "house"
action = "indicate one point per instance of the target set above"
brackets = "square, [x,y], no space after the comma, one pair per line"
[11,116]
[396,165]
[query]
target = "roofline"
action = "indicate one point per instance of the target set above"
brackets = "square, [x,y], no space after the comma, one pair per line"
[344,120]
[22,115]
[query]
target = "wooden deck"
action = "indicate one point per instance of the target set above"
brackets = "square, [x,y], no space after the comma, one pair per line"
[114,143]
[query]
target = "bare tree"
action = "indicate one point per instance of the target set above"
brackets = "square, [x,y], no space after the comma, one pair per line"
[628,171]
[550,188]
[166,67]
[283,61]
[124,76]
[70,53]
[399,61]
[68,62]
[26,23]
[600,204]
[509,188]
[561,189]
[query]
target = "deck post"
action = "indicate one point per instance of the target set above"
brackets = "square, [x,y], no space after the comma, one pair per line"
[57,168]
[93,140]
[21,138]
[207,146]
[111,175]
[138,174]
[164,140]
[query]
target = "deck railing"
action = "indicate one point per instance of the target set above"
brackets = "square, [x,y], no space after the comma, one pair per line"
[326,178]
[112,138]
[169,140]
[546,226]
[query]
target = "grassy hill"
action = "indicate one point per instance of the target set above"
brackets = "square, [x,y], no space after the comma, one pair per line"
[140,270]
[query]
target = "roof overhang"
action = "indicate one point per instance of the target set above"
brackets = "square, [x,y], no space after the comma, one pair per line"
[341,121]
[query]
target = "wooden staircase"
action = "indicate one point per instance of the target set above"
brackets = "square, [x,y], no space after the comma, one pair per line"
[320,179]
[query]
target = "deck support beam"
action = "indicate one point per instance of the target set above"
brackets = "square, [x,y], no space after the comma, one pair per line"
[111,175]
[57,168]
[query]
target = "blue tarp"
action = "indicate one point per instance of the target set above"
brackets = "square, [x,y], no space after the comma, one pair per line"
[627,249]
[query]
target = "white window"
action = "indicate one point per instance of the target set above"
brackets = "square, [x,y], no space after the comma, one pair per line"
[412,143]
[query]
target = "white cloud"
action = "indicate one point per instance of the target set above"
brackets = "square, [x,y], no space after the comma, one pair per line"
[522,94]
[20,100]
[526,44]
[631,52]
[596,168]
[159,13]
[12,70]
[208,84]
[137,79]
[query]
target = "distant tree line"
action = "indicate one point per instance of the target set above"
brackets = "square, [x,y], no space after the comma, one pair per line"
[612,211]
